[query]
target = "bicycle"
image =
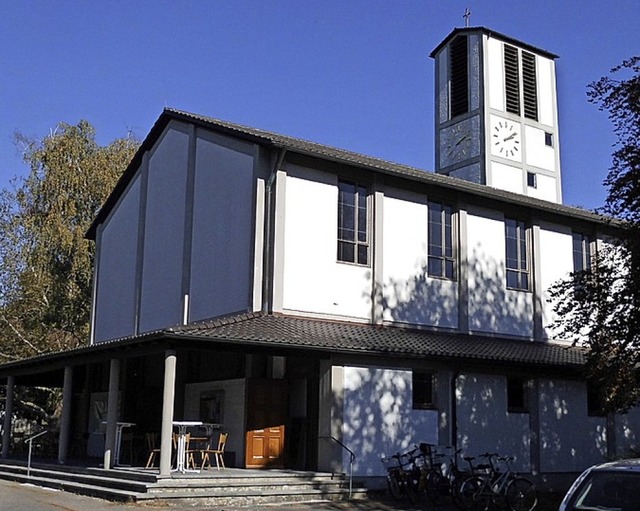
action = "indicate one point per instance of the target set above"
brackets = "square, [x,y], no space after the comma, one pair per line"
[498,488]
[401,476]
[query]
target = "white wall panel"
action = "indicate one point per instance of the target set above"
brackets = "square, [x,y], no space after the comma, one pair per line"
[546,90]
[485,425]
[115,293]
[546,188]
[570,440]
[496,80]
[556,261]
[222,243]
[409,295]
[492,307]
[313,280]
[379,419]
[161,303]
[506,177]
[537,153]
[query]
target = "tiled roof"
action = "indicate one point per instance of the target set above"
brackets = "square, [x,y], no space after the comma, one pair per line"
[355,338]
[297,145]
[492,33]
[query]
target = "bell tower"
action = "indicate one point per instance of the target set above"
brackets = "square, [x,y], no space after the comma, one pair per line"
[496,113]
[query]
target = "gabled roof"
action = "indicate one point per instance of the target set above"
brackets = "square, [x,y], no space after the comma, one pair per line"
[491,33]
[327,153]
[287,334]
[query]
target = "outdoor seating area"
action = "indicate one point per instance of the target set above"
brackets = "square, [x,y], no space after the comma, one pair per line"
[194,444]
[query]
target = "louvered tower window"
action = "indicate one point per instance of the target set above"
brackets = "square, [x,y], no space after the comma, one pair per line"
[529,88]
[512,79]
[459,76]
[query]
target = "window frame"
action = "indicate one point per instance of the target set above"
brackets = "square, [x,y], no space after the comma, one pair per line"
[358,225]
[522,247]
[583,242]
[419,378]
[446,254]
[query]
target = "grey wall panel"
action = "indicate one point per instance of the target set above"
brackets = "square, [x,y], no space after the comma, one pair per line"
[115,296]
[161,296]
[223,224]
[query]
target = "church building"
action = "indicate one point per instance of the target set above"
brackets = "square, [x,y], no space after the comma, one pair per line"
[319,303]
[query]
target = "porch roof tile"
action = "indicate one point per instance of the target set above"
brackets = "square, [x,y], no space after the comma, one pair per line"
[343,337]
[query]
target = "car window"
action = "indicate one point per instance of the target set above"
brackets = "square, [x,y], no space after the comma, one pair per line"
[608,491]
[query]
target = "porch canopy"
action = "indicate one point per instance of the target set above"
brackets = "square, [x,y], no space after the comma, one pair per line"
[273,335]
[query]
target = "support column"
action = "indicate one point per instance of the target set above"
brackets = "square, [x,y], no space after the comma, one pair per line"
[112,414]
[65,419]
[168,398]
[8,412]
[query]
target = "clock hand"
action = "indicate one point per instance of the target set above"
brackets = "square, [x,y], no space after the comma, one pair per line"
[509,137]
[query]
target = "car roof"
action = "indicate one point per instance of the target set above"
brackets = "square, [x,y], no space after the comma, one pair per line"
[628,465]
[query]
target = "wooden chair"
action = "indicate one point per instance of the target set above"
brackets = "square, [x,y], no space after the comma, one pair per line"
[217,453]
[151,439]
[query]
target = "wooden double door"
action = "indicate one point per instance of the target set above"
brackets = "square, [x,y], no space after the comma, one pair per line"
[266,419]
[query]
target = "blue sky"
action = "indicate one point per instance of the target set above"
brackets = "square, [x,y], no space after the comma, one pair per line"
[353,74]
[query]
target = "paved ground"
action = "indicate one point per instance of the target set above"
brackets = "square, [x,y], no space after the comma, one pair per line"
[24,497]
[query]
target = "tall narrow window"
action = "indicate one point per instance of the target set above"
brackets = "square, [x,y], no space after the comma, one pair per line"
[423,394]
[517,255]
[459,76]
[441,260]
[512,79]
[353,240]
[529,86]
[581,252]
[517,395]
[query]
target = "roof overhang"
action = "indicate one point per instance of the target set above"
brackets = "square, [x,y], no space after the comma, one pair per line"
[285,335]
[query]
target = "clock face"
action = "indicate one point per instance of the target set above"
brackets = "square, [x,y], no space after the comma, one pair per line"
[457,144]
[505,139]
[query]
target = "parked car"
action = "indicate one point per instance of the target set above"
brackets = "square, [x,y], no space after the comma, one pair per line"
[609,486]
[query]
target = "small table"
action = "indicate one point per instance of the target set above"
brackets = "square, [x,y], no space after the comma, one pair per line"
[119,427]
[181,448]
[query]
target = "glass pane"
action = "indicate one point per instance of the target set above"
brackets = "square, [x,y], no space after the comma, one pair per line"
[363,251]
[449,269]
[435,267]
[512,279]
[362,225]
[346,252]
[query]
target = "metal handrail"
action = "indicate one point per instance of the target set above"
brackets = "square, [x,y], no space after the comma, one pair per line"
[352,458]
[30,442]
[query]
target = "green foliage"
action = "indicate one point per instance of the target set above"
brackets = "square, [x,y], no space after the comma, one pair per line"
[600,309]
[46,263]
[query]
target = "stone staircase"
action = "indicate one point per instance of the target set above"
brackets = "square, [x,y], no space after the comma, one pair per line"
[237,487]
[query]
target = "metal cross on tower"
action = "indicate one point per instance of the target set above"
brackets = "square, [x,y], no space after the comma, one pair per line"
[466,16]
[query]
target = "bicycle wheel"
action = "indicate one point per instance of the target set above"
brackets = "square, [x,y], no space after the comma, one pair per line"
[434,486]
[456,491]
[395,483]
[413,485]
[474,495]
[521,495]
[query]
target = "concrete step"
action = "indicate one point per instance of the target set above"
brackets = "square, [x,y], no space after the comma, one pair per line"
[233,487]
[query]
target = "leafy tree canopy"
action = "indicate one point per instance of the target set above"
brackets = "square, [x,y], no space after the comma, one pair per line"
[600,308]
[45,261]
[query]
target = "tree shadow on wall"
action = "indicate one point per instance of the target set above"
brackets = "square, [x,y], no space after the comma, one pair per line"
[378,414]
